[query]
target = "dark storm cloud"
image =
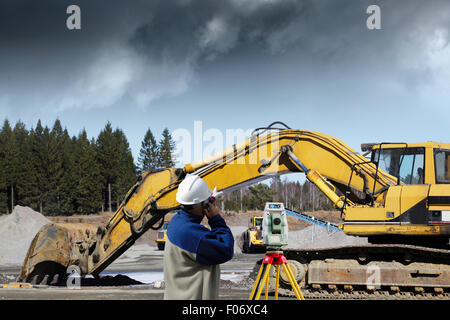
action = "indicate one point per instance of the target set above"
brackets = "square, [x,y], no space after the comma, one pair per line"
[201,27]
[144,50]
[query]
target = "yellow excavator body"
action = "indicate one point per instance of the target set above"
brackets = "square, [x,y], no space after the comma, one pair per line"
[415,208]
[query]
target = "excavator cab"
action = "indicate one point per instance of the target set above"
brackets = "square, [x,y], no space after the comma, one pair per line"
[256,222]
[417,208]
[405,163]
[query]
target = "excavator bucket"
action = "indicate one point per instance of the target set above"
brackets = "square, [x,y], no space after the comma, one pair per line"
[59,248]
[55,248]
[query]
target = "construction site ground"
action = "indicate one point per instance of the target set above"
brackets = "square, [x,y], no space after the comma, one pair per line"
[138,273]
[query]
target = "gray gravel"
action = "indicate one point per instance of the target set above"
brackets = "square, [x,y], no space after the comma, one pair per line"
[315,237]
[17,230]
[312,237]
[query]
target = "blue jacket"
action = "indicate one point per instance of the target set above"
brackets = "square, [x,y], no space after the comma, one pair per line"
[192,256]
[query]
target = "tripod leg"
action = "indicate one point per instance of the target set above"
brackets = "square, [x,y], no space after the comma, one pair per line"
[277,282]
[266,293]
[263,281]
[295,282]
[258,277]
[292,281]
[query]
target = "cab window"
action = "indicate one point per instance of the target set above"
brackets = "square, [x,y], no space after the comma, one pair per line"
[442,165]
[404,163]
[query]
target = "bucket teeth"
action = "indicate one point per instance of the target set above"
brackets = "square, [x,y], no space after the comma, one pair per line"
[55,280]
[36,279]
[44,280]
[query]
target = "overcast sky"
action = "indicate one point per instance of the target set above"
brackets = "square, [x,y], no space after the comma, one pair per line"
[231,64]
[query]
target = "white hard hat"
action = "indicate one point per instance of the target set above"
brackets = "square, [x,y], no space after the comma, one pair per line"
[193,190]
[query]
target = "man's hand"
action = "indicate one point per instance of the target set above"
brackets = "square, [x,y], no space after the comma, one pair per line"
[213,210]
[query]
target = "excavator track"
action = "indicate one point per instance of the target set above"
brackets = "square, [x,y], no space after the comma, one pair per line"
[382,272]
[311,294]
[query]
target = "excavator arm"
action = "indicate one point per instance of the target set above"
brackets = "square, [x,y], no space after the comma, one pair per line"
[343,175]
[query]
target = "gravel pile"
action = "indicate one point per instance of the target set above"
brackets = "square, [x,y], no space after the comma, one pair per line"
[17,230]
[314,237]
[238,233]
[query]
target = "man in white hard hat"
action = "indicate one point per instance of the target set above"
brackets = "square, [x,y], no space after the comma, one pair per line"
[193,253]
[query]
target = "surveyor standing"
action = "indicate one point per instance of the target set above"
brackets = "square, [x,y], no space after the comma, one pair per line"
[193,253]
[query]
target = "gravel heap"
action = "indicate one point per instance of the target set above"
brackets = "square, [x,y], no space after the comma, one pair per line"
[314,237]
[17,230]
[238,234]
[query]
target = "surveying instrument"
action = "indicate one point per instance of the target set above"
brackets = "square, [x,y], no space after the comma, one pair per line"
[275,234]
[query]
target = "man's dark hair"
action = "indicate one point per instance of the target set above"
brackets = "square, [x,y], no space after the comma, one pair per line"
[188,207]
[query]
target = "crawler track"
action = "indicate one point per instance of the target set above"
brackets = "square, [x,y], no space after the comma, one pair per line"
[364,295]
[405,272]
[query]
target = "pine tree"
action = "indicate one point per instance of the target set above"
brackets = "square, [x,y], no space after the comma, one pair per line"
[68,183]
[87,193]
[116,164]
[166,150]
[44,164]
[3,194]
[10,170]
[107,159]
[260,194]
[5,165]
[23,174]
[149,153]
[55,169]
[34,196]
[127,175]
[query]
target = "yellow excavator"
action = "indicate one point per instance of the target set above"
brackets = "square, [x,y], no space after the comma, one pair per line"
[161,236]
[397,195]
[252,237]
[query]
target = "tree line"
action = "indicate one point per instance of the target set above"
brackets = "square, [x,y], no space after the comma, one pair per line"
[294,195]
[56,174]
